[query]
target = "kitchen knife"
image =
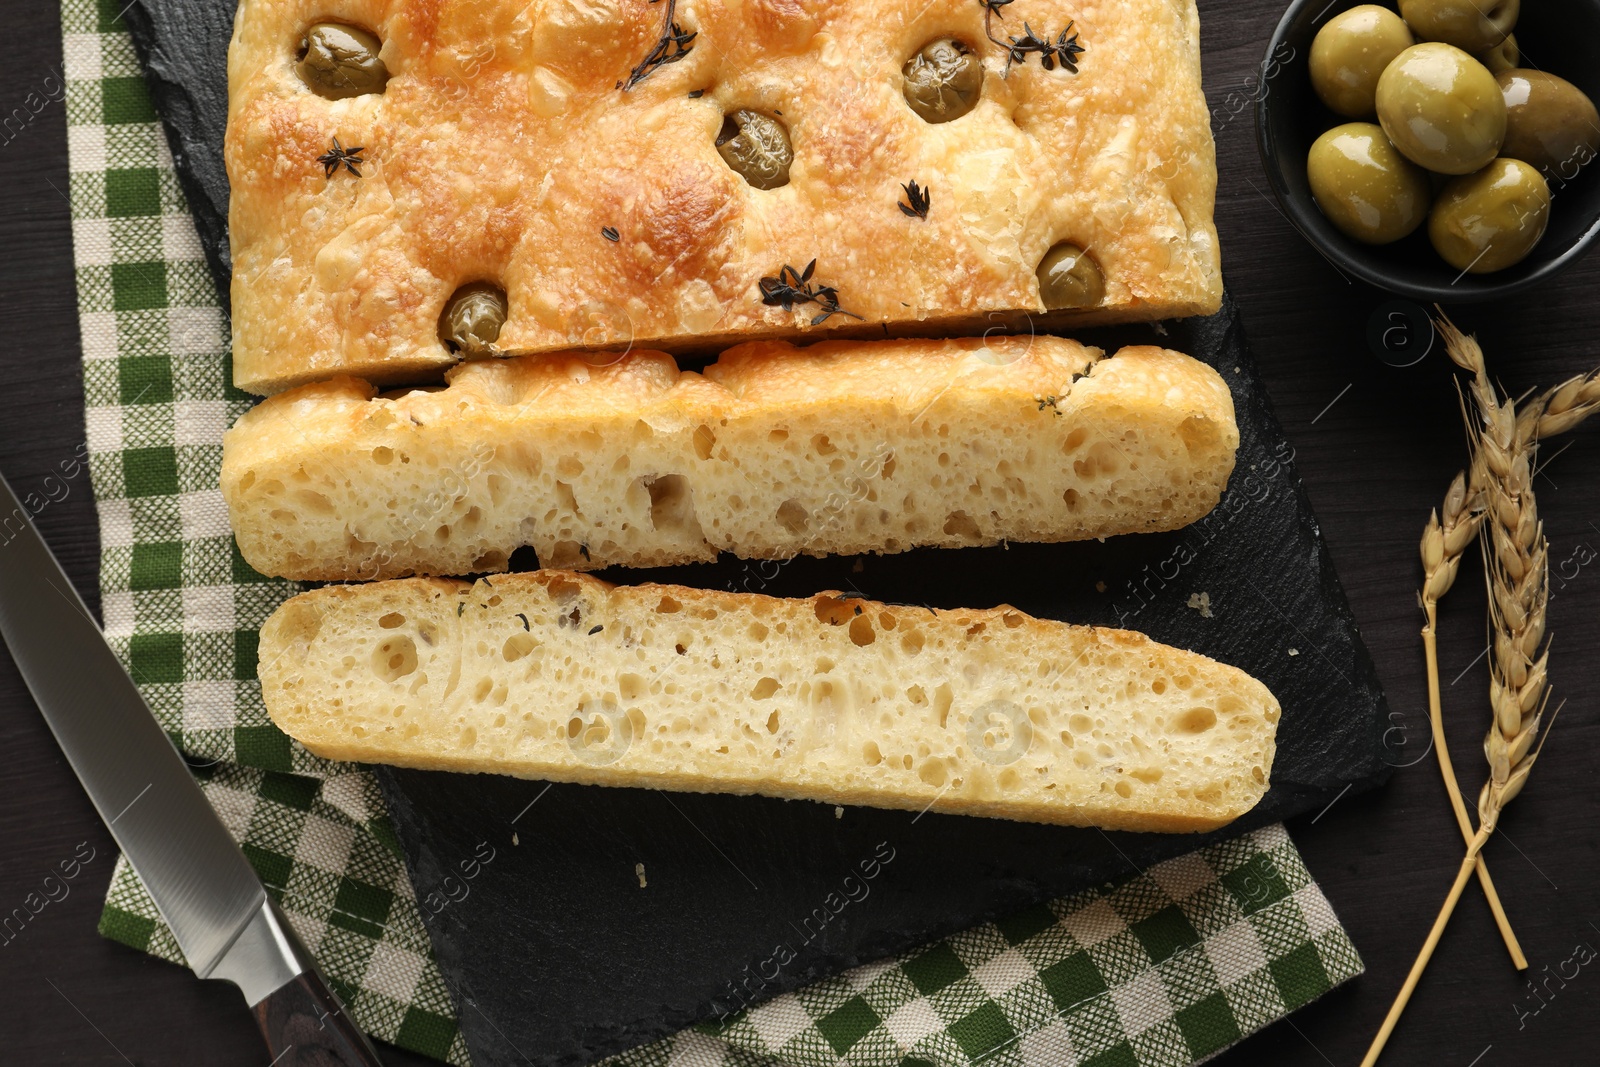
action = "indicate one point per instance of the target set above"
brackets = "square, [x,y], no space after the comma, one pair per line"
[206,891]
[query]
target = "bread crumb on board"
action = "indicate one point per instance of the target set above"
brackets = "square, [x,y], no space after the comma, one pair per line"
[1294,652]
[838,812]
[1201,602]
[638,871]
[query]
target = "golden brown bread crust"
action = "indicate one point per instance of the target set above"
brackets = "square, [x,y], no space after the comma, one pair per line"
[502,146]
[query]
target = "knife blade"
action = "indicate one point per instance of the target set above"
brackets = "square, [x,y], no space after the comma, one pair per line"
[205,889]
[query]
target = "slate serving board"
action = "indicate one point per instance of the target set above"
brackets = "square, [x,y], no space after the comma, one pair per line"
[556,953]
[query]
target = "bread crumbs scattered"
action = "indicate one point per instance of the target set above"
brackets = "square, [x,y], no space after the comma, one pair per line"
[514,839]
[1099,587]
[838,812]
[1294,652]
[638,870]
[1201,602]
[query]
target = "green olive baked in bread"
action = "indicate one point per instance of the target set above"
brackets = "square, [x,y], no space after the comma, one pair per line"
[561,676]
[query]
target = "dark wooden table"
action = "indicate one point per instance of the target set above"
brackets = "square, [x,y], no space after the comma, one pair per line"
[1376,445]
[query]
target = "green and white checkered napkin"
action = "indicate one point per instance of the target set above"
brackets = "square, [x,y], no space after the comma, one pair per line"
[1163,969]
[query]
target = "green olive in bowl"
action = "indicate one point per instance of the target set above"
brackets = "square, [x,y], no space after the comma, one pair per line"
[1365,187]
[1473,25]
[1550,122]
[1350,52]
[1442,109]
[1504,56]
[338,61]
[1490,220]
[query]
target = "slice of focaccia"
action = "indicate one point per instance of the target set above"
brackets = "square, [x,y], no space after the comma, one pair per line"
[561,676]
[386,157]
[842,447]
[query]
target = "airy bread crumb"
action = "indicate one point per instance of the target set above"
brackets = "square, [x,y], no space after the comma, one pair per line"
[772,452]
[560,676]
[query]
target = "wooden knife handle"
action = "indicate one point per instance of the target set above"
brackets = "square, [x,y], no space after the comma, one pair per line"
[306,1026]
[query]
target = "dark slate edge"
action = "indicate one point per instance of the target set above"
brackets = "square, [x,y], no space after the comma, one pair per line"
[183,48]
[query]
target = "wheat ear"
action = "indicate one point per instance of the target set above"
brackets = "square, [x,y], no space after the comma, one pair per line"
[1444,541]
[1516,567]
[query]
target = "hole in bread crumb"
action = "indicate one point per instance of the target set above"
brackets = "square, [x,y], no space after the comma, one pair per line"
[1012,619]
[1196,432]
[870,755]
[517,646]
[1195,721]
[668,606]
[469,737]
[778,437]
[917,695]
[757,631]
[671,502]
[764,689]
[630,687]
[1080,723]
[822,446]
[383,455]
[1158,686]
[1071,499]
[704,439]
[392,620]
[960,524]
[1124,788]
[942,699]
[561,588]
[792,516]
[1075,440]
[887,470]
[394,658]
[932,772]
[861,631]
[1147,775]
[772,723]
[911,642]
[833,611]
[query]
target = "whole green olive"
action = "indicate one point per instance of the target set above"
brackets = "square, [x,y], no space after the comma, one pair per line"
[472,317]
[1490,220]
[1441,108]
[1366,188]
[943,80]
[1350,52]
[757,147]
[1506,55]
[1549,122]
[1070,278]
[1473,25]
[338,61]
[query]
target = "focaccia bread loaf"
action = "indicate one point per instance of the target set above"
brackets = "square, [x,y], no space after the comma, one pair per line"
[772,452]
[502,150]
[561,676]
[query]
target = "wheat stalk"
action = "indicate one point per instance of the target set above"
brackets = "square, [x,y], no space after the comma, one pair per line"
[1443,545]
[1505,443]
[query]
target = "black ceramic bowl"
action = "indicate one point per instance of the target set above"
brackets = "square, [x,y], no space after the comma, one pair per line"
[1558,36]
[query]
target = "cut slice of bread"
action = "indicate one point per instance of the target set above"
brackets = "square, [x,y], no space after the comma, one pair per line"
[772,452]
[561,676]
